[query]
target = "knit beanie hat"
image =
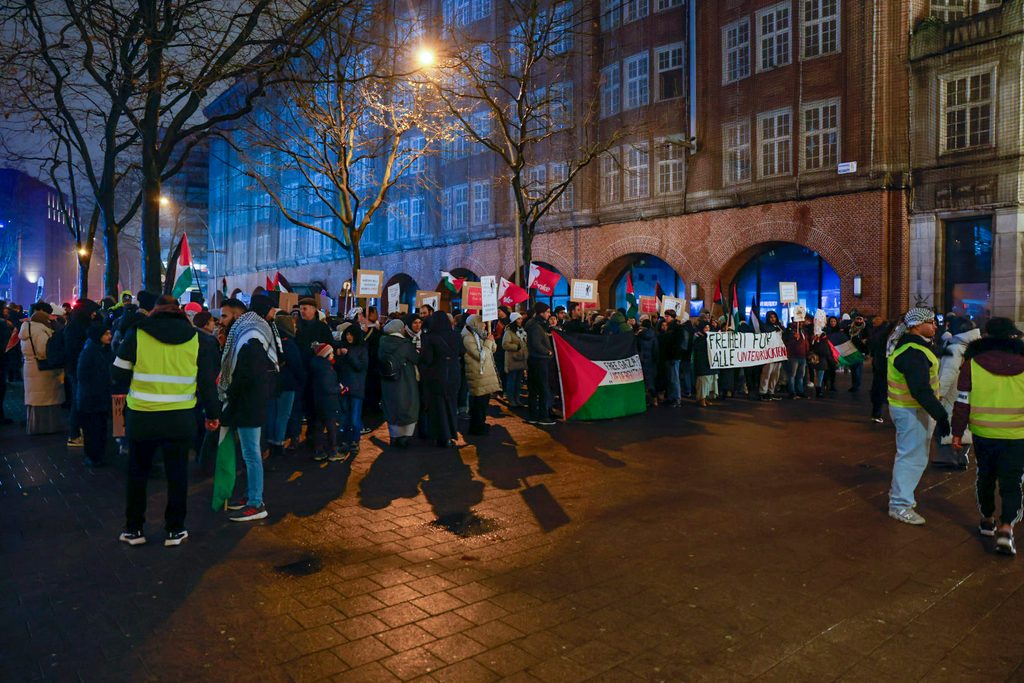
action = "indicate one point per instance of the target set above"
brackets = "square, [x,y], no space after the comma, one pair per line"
[323,350]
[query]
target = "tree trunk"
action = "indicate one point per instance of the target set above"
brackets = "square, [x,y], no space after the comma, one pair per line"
[112,275]
[83,275]
[527,256]
[150,162]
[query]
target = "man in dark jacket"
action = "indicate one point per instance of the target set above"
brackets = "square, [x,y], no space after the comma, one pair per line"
[92,399]
[538,364]
[575,324]
[160,365]
[247,377]
[75,335]
[913,380]
[310,332]
[290,380]
[668,344]
[991,401]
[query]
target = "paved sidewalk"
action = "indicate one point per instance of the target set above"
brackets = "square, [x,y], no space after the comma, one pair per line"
[747,540]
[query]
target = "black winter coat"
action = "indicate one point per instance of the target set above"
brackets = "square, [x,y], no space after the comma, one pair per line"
[92,392]
[647,348]
[252,384]
[351,369]
[440,359]
[293,372]
[701,364]
[323,381]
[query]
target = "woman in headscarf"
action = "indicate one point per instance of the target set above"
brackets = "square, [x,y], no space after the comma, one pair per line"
[44,389]
[481,371]
[400,391]
[516,355]
[440,371]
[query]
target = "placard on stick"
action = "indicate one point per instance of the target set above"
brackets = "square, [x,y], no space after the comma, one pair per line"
[583,291]
[472,296]
[788,293]
[671,303]
[648,304]
[117,402]
[489,298]
[394,297]
[369,284]
[432,299]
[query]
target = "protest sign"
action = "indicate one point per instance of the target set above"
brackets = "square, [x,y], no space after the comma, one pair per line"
[583,291]
[369,284]
[788,293]
[744,349]
[117,403]
[649,304]
[489,298]
[671,303]
[798,313]
[472,296]
[394,297]
[432,299]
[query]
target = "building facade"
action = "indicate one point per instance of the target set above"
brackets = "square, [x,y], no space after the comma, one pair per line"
[967,225]
[775,145]
[39,254]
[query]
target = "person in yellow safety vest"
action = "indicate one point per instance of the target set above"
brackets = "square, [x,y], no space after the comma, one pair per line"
[913,383]
[990,400]
[160,365]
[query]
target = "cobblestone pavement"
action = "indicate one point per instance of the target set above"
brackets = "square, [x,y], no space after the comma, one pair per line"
[743,541]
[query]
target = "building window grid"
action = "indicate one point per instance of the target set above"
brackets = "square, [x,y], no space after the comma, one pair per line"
[668,4]
[611,90]
[669,62]
[774,27]
[637,68]
[481,203]
[638,171]
[417,215]
[736,51]
[633,10]
[558,173]
[948,10]
[820,26]
[560,105]
[670,165]
[610,177]
[611,14]
[775,129]
[737,152]
[967,110]
[821,135]
[561,28]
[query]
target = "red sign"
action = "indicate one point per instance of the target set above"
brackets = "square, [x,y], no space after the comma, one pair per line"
[472,296]
[649,304]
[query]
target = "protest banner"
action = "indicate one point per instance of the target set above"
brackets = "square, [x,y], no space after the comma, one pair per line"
[649,304]
[472,296]
[583,291]
[394,297]
[744,349]
[369,284]
[489,298]
[432,299]
[117,403]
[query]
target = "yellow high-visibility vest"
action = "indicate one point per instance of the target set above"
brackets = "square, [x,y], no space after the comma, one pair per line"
[899,392]
[164,375]
[997,404]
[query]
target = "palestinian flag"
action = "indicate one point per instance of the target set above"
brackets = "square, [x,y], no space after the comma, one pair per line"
[271,286]
[718,302]
[181,269]
[659,293]
[224,474]
[600,376]
[848,353]
[735,314]
[755,314]
[282,283]
[454,284]
[631,310]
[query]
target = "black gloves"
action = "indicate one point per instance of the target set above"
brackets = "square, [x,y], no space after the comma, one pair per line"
[942,428]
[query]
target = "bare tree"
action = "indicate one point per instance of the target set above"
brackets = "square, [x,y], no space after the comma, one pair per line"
[72,71]
[353,120]
[520,95]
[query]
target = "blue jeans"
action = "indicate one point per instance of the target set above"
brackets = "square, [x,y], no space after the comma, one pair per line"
[913,436]
[279,411]
[249,438]
[673,380]
[514,386]
[797,376]
[856,372]
[686,376]
[351,422]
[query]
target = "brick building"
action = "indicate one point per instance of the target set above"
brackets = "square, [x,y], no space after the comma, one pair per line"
[731,171]
[967,227]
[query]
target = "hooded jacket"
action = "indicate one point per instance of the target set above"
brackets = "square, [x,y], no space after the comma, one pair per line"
[351,366]
[168,327]
[92,390]
[538,339]
[1004,357]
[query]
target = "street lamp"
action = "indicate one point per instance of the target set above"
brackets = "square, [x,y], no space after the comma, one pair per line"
[426,57]
[82,251]
[165,200]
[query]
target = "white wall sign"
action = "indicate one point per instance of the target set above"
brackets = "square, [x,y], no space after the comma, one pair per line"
[847,167]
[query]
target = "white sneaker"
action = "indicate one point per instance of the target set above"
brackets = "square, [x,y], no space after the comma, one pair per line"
[132,537]
[77,442]
[906,515]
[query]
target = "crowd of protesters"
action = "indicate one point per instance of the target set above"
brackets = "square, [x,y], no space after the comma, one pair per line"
[299,383]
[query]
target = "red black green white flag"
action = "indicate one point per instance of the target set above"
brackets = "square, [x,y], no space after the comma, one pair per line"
[631,311]
[452,283]
[600,376]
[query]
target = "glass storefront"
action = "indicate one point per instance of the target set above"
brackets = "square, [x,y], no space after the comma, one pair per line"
[648,272]
[968,273]
[817,283]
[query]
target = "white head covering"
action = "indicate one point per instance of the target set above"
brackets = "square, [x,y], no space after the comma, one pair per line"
[913,318]
[514,316]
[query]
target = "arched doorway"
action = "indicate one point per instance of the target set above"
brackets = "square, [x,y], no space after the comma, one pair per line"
[651,277]
[817,283]
[407,292]
[452,301]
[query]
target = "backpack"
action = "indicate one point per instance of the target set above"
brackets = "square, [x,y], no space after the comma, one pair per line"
[56,350]
[389,368]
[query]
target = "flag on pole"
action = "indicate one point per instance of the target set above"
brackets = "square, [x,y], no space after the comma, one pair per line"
[543,280]
[755,314]
[282,283]
[183,261]
[735,313]
[632,310]
[510,294]
[659,293]
[270,285]
[224,474]
[600,376]
[452,283]
[224,287]
[718,302]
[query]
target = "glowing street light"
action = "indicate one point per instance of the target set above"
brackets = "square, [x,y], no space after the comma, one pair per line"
[82,252]
[165,200]
[426,57]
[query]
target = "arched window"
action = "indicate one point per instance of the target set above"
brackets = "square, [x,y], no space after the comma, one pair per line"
[816,281]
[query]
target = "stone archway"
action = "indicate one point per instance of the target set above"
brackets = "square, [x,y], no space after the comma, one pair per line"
[611,275]
[653,245]
[408,291]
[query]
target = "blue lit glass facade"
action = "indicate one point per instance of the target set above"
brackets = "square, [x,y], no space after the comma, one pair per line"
[648,272]
[817,282]
[969,266]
